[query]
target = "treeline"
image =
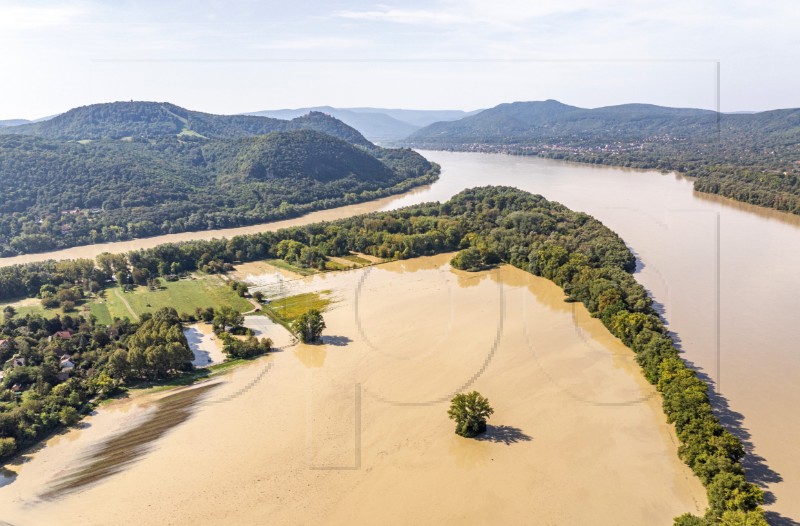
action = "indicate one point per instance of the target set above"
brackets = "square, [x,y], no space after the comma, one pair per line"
[503,225]
[767,178]
[53,367]
[61,194]
[753,158]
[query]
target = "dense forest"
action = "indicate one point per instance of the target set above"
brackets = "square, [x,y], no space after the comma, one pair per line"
[489,226]
[753,158]
[54,367]
[57,193]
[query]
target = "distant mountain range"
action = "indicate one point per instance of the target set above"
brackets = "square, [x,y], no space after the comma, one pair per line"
[14,122]
[552,122]
[751,157]
[376,124]
[137,120]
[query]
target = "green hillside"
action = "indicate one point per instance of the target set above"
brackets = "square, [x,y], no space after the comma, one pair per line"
[151,120]
[750,157]
[56,193]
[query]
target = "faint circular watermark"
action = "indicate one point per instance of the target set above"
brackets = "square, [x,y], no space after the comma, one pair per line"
[487,357]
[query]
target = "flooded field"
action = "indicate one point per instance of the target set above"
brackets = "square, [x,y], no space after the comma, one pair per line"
[355,431]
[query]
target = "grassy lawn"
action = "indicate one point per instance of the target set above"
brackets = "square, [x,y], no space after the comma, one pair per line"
[33,306]
[101,312]
[22,311]
[356,259]
[332,265]
[288,309]
[279,263]
[184,295]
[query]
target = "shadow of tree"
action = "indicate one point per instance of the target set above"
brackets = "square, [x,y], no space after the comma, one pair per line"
[776,519]
[504,435]
[756,468]
[337,341]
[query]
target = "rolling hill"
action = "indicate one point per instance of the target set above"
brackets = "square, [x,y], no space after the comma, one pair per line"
[152,120]
[374,126]
[751,157]
[61,192]
[377,124]
[521,122]
[13,122]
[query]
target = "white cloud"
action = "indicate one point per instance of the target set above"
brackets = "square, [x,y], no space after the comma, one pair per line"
[582,46]
[25,17]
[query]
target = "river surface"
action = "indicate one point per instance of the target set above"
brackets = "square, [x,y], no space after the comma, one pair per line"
[724,274]
[355,430]
[727,275]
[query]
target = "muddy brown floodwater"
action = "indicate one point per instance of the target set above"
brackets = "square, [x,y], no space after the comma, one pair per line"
[356,431]
[725,275]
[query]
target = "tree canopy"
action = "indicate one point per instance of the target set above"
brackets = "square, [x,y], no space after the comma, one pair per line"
[470,411]
[309,326]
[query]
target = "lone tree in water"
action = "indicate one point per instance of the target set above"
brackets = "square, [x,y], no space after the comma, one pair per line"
[309,326]
[470,412]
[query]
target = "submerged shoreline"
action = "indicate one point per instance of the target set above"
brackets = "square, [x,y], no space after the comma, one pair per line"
[541,439]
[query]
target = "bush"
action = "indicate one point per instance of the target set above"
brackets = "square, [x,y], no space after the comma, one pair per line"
[309,326]
[687,519]
[470,412]
[7,446]
[68,416]
[469,259]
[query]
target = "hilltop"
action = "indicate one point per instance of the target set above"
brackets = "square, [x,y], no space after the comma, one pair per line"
[377,124]
[144,169]
[518,122]
[752,157]
[153,120]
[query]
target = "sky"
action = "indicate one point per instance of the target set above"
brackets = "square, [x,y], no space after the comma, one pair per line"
[238,56]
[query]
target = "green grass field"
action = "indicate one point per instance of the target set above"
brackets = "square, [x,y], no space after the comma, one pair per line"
[288,309]
[279,263]
[25,307]
[356,259]
[23,311]
[332,265]
[184,295]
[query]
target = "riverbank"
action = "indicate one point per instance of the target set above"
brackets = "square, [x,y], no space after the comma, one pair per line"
[121,247]
[695,253]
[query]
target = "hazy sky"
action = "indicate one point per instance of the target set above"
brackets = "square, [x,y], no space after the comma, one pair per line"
[236,56]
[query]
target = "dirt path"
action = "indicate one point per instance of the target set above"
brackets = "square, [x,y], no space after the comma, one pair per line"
[256,306]
[127,305]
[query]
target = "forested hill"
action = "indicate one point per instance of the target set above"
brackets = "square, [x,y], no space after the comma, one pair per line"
[13,122]
[750,157]
[550,120]
[149,120]
[57,194]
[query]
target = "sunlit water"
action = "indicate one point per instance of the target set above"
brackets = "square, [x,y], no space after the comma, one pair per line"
[727,275]
[355,430]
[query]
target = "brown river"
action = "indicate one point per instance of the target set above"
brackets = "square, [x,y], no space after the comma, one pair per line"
[724,273]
